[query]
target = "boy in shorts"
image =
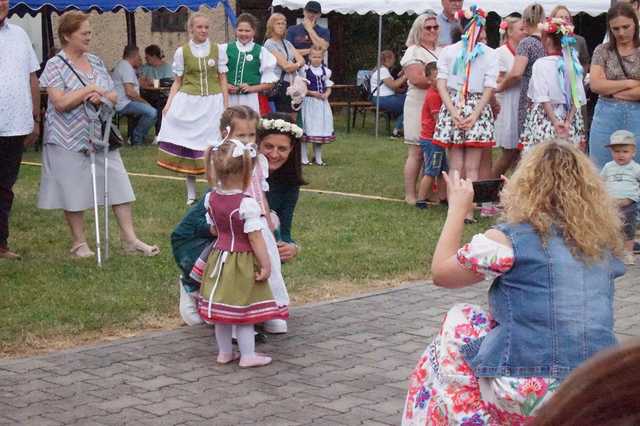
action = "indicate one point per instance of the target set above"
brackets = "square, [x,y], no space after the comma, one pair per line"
[435,157]
[622,177]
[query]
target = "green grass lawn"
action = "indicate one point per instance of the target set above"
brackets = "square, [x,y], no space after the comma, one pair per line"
[349,245]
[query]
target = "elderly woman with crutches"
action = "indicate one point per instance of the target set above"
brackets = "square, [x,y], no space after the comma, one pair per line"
[72,78]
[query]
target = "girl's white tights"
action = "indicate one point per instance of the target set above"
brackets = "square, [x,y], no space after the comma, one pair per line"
[246,343]
[191,188]
[317,152]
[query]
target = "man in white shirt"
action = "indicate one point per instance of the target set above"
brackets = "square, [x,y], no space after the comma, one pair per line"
[130,102]
[19,113]
[447,21]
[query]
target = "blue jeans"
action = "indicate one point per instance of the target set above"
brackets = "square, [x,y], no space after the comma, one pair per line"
[146,117]
[435,158]
[394,104]
[611,115]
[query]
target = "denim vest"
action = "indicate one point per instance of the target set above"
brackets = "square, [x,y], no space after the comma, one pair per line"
[552,310]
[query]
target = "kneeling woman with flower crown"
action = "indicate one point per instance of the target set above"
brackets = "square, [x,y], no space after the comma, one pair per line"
[555,90]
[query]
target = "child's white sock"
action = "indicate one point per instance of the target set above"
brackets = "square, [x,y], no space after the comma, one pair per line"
[303,153]
[223,338]
[191,188]
[317,152]
[246,340]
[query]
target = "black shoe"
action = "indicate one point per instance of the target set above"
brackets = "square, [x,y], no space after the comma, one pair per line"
[421,204]
[259,337]
[636,247]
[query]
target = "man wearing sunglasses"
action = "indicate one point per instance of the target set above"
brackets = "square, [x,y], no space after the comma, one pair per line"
[447,21]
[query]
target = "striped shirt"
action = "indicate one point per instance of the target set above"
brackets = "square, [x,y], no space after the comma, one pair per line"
[70,129]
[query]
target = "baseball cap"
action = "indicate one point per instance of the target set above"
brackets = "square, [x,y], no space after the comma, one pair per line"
[622,137]
[313,6]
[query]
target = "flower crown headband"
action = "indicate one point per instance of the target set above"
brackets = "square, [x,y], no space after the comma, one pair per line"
[556,26]
[473,13]
[470,47]
[281,126]
[570,71]
[504,26]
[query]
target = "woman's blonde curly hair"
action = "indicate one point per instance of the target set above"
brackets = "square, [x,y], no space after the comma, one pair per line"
[557,185]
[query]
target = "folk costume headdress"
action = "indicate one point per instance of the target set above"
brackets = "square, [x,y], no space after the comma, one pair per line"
[476,20]
[570,71]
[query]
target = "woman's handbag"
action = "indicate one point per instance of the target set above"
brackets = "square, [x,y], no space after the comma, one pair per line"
[115,137]
[279,88]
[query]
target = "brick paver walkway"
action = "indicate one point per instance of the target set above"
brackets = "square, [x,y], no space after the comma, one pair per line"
[344,362]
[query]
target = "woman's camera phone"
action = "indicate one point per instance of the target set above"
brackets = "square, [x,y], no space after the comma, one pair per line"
[485,191]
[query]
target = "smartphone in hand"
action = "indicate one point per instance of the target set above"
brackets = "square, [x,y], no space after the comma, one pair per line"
[487,191]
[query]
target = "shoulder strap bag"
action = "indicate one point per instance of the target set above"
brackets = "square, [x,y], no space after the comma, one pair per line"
[115,138]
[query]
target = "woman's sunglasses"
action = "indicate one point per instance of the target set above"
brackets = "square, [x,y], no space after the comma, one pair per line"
[432,27]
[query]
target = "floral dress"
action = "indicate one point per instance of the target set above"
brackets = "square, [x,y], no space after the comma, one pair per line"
[443,390]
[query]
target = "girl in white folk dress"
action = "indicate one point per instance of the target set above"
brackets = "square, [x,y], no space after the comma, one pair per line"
[317,116]
[556,90]
[197,99]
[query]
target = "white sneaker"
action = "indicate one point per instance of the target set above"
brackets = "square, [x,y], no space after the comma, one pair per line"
[275,326]
[188,310]
[629,259]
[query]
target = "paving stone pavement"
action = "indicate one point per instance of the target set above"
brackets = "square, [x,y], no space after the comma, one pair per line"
[342,363]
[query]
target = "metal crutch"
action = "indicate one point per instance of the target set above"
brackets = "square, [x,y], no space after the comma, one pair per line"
[94,121]
[96,217]
[106,115]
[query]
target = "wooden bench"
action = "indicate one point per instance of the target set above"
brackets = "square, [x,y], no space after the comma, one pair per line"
[355,107]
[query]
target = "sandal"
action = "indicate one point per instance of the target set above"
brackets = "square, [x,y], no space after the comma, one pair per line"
[81,250]
[138,247]
[471,221]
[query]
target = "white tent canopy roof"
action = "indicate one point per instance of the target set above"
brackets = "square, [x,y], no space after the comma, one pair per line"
[382,7]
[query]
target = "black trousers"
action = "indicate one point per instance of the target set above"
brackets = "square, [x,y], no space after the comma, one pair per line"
[11,148]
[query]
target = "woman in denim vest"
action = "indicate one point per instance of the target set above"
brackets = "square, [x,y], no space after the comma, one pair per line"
[552,264]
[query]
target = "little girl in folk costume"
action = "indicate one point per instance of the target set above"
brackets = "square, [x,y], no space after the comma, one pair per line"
[251,66]
[555,90]
[317,117]
[235,289]
[197,98]
[467,73]
[240,122]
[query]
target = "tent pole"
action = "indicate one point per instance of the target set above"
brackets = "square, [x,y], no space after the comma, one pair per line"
[226,26]
[47,33]
[378,71]
[130,19]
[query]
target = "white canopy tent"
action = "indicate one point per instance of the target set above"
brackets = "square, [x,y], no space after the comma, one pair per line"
[383,7]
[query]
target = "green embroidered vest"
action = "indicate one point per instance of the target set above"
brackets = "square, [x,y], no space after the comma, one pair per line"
[243,67]
[199,77]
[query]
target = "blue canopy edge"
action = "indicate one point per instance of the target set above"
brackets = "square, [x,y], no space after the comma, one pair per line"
[33,7]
